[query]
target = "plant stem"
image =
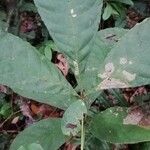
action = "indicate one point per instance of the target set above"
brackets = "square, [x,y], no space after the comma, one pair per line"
[82,133]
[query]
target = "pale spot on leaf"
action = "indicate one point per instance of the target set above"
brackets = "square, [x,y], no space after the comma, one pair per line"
[102,76]
[111,83]
[72,11]
[129,76]
[109,67]
[130,62]
[134,117]
[74,15]
[123,61]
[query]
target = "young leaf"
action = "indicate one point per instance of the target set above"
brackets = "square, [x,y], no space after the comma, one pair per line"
[70,123]
[46,133]
[72,25]
[127,64]
[128,2]
[110,126]
[107,12]
[48,52]
[31,75]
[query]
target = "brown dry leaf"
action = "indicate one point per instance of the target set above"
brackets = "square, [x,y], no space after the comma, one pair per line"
[133,17]
[44,110]
[28,22]
[137,116]
[145,122]
[34,109]
[3,89]
[138,92]
[131,93]
[134,117]
[25,109]
[62,64]
[70,146]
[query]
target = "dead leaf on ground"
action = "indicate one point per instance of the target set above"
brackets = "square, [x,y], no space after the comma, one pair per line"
[62,64]
[136,116]
[45,110]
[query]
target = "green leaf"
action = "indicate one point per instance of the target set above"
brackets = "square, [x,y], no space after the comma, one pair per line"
[32,146]
[48,52]
[31,75]
[47,46]
[128,2]
[72,25]
[46,133]
[105,40]
[127,64]
[110,126]
[5,110]
[119,8]
[107,12]
[70,123]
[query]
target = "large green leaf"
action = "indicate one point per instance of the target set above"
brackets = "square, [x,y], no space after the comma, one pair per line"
[128,63]
[32,75]
[46,133]
[103,43]
[72,25]
[111,125]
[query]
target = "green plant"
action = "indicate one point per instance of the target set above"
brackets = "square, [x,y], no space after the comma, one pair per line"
[111,58]
[117,9]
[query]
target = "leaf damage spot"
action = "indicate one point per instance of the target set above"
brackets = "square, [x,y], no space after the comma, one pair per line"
[130,62]
[108,81]
[72,13]
[109,69]
[133,117]
[137,116]
[111,83]
[129,76]
[123,61]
